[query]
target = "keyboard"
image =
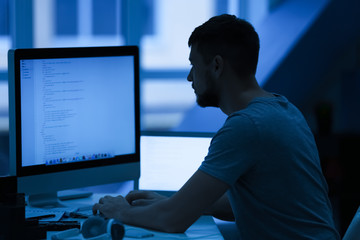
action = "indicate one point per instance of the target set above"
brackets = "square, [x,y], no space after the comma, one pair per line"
[55,214]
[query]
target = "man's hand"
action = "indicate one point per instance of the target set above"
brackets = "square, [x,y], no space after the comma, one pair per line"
[174,214]
[111,207]
[143,198]
[114,207]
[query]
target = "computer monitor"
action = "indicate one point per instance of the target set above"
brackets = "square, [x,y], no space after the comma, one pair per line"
[169,159]
[73,118]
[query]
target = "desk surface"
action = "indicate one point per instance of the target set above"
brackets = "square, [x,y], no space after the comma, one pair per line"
[203,228]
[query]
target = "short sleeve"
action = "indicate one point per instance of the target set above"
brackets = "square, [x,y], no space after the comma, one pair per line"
[233,150]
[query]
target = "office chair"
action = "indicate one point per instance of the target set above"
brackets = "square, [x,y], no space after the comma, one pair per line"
[353,231]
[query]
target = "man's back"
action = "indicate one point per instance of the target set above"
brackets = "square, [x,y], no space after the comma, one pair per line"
[268,156]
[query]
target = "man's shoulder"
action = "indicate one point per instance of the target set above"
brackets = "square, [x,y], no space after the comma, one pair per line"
[237,128]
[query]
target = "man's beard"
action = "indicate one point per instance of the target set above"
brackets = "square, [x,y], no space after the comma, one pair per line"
[210,97]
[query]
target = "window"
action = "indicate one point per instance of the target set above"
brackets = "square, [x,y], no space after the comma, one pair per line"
[69,23]
[5,43]
[166,47]
[4,34]
[159,27]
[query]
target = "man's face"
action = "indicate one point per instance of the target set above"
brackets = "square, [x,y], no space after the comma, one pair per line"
[203,83]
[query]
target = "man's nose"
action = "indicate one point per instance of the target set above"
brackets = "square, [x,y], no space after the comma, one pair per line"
[189,77]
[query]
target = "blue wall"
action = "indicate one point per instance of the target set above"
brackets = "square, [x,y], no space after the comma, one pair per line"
[303,74]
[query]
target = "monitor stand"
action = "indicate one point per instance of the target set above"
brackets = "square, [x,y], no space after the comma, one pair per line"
[54,199]
[45,200]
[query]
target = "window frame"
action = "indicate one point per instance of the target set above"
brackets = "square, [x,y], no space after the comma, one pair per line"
[22,28]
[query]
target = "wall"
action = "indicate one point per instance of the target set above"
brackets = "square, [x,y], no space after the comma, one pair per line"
[323,67]
[338,94]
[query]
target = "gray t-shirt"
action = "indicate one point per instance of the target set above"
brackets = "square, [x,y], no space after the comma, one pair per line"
[266,153]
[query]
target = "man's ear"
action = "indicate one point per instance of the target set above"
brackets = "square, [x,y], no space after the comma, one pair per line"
[217,66]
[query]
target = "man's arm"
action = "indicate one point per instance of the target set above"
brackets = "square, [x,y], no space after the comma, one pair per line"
[221,209]
[173,214]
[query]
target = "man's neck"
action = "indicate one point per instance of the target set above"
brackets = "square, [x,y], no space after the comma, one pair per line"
[235,101]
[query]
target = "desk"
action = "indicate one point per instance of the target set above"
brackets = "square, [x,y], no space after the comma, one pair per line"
[203,228]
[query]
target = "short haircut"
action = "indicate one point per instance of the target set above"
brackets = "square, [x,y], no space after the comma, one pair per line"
[232,38]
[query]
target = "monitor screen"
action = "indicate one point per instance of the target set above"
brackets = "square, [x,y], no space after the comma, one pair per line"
[74,112]
[169,159]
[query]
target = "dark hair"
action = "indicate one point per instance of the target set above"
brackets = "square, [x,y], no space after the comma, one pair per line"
[232,38]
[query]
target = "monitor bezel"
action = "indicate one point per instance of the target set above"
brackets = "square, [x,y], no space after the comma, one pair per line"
[75,52]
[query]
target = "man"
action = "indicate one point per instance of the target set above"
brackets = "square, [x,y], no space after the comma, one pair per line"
[262,169]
